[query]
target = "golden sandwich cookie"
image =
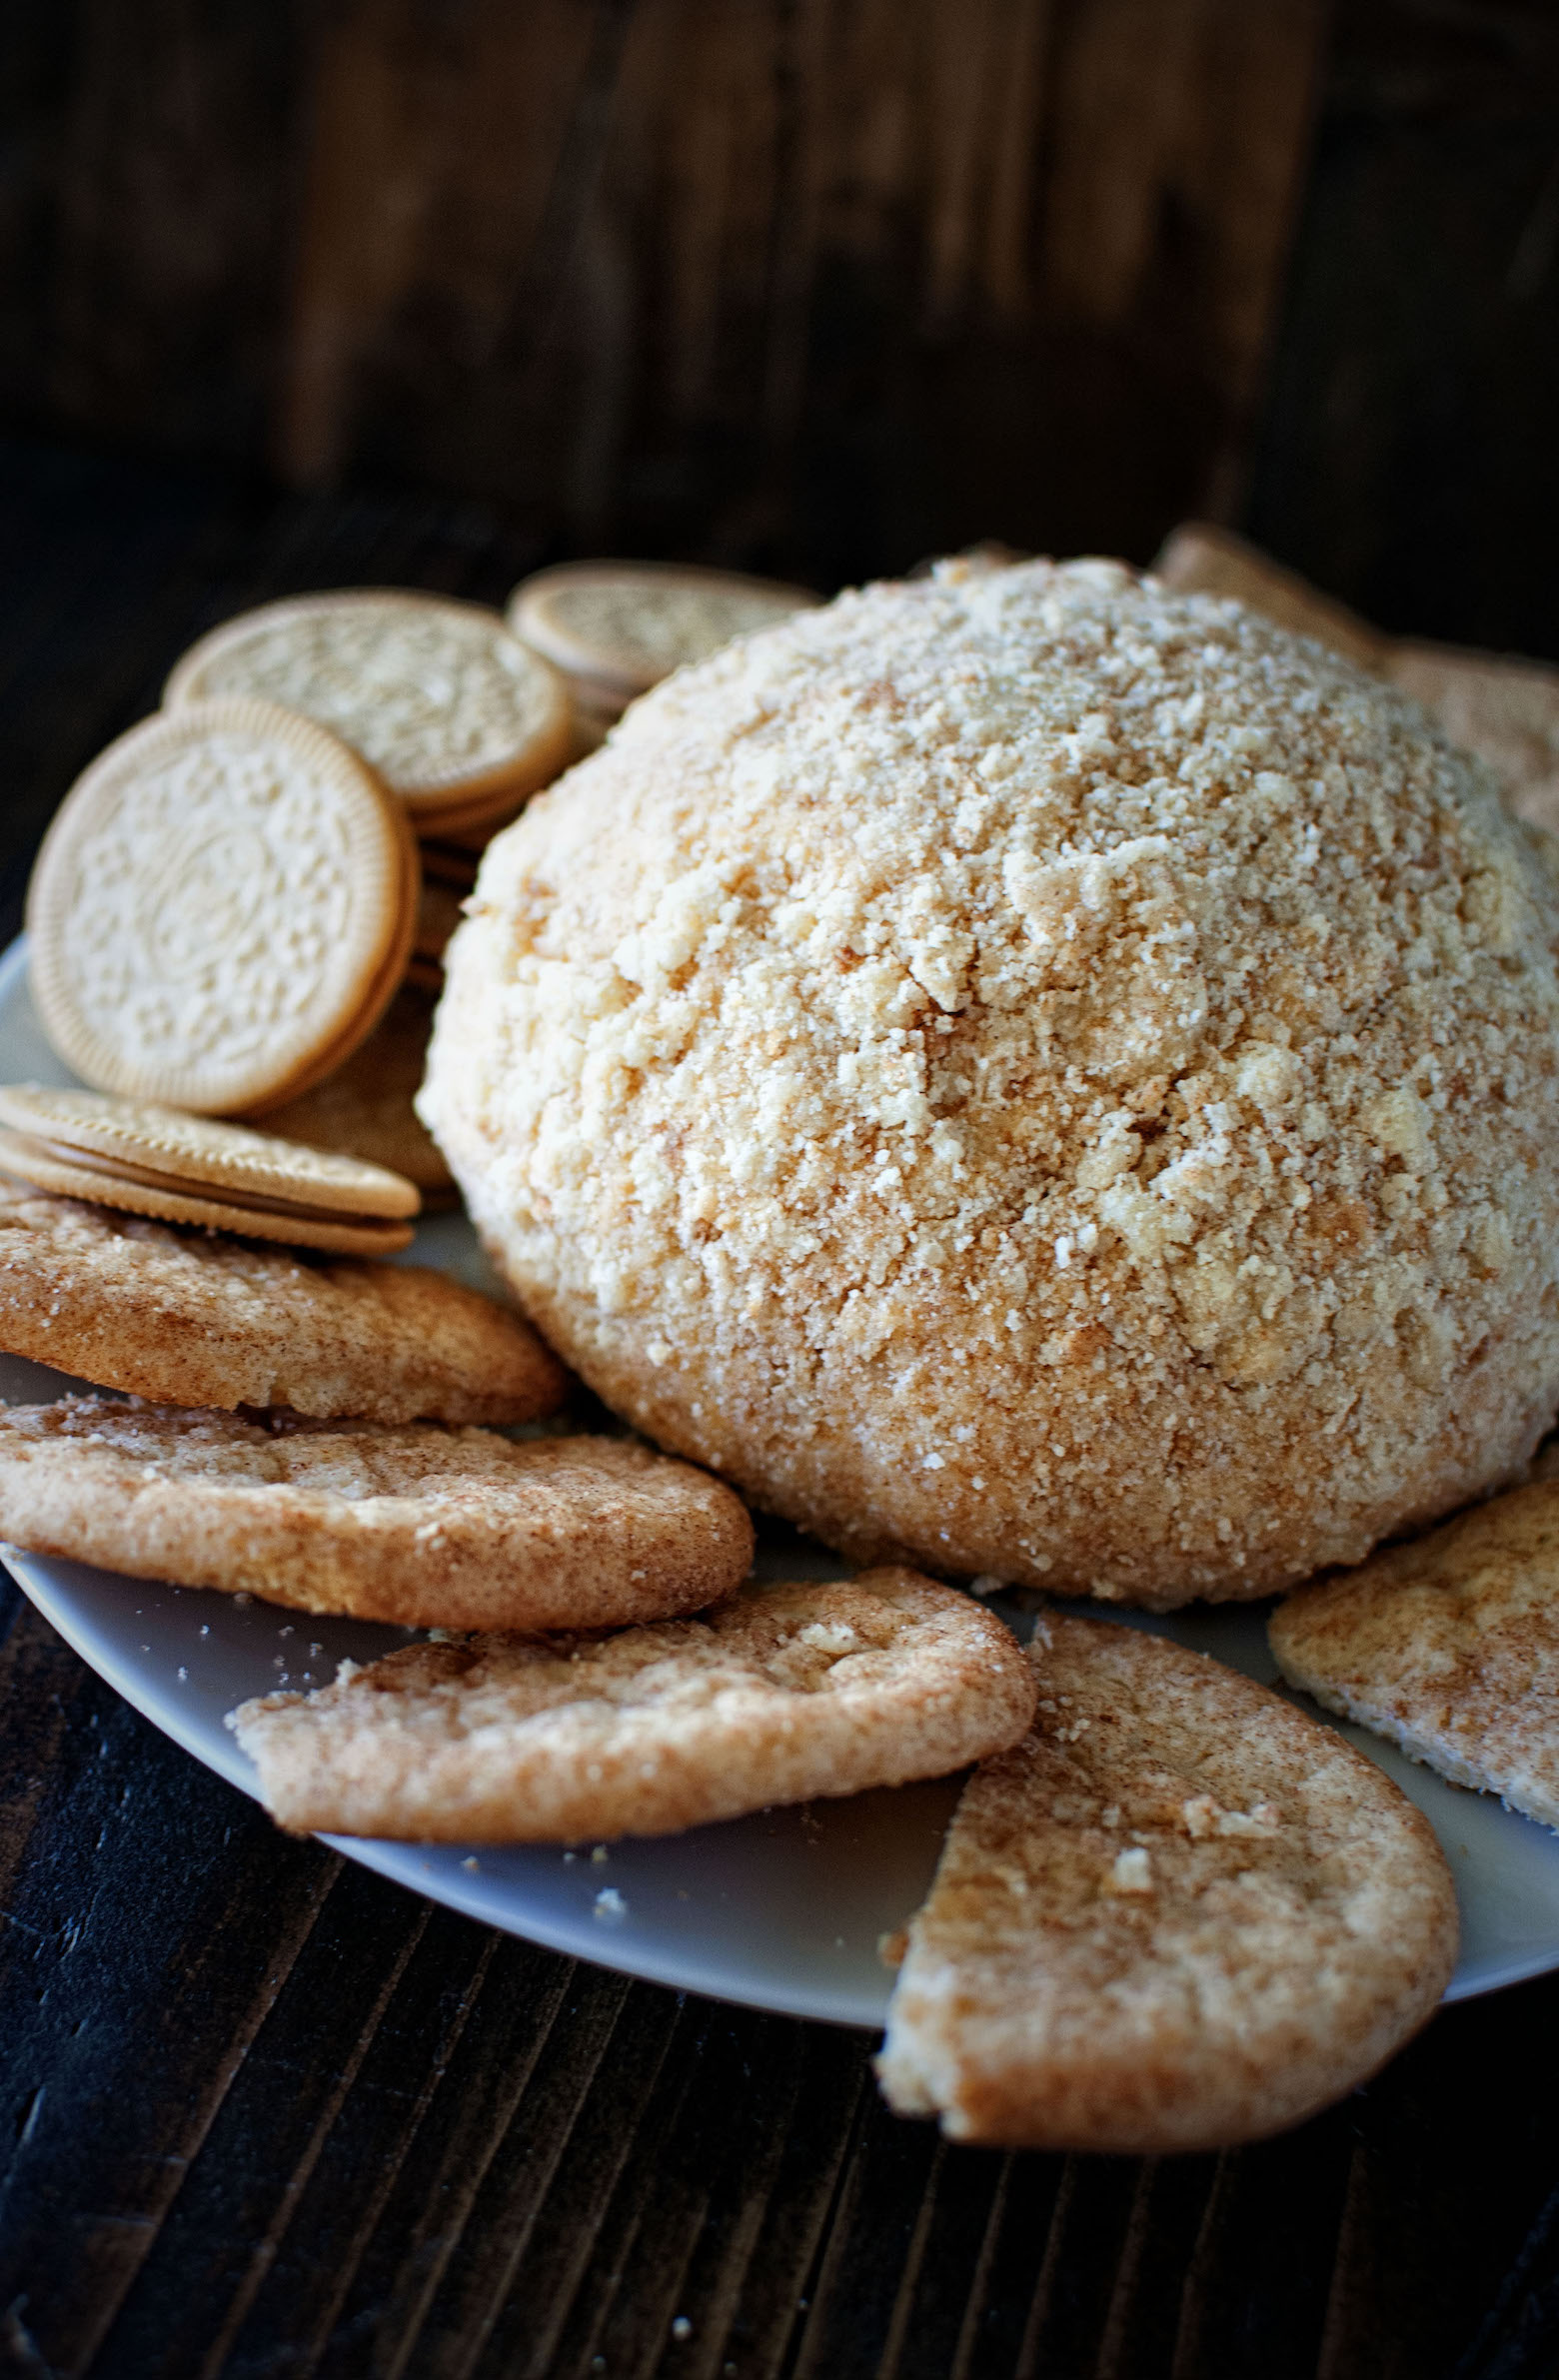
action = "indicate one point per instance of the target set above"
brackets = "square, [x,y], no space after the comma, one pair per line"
[221,910]
[457,717]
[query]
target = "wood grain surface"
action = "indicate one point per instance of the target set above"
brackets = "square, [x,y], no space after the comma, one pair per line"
[428,292]
[830,284]
[822,286]
[264,2111]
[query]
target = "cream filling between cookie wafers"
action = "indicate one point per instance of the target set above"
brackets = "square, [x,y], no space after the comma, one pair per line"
[178,1185]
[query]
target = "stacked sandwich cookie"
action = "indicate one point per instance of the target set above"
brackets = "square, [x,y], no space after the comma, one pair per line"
[222,909]
[457,718]
[364,1109]
[184,1168]
[231,916]
[616,628]
[457,723]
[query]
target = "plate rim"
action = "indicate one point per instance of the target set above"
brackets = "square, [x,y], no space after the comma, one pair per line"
[393,1859]
[410,1864]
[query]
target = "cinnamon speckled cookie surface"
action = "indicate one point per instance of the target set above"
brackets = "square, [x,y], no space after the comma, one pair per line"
[199,1318]
[783,1693]
[433,1528]
[1177,1915]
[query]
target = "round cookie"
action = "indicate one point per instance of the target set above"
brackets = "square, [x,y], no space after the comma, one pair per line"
[197,1153]
[192,1317]
[101,1186]
[365,1109]
[454,714]
[1177,1915]
[781,1695]
[1027,1070]
[427,1526]
[221,908]
[620,627]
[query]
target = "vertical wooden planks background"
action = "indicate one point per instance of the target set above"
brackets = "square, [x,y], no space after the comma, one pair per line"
[845,281]
[820,283]
[821,286]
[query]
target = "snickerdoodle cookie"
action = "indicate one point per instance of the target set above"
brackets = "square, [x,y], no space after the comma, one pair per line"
[783,1693]
[1177,1915]
[1449,1645]
[1036,1072]
[198,1318]
[433,1528]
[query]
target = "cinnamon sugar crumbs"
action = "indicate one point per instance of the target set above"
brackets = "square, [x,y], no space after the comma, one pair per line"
[1032,1070]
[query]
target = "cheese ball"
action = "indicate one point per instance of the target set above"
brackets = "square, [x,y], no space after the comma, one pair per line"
[1035,1075]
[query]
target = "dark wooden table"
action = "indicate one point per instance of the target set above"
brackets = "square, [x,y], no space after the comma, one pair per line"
[263,2113]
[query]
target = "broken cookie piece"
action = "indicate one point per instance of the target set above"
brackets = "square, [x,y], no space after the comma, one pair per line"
[1448,1646]
[1177,1915]
[783,1693]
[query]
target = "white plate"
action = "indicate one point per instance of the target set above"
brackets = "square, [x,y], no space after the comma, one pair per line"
[783,1911]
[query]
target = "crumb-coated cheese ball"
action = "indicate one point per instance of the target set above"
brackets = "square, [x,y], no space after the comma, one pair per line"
[1033,1073]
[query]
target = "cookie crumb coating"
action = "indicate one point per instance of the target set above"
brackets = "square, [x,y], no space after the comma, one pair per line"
[1036,1074]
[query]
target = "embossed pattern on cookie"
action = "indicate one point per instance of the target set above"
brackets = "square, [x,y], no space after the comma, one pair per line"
[453,713]
[224,900]
[625,626]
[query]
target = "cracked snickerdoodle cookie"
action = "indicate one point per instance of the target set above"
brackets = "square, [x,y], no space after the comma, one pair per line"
[432,1527]
[783,1693]
[1448,1646]
[1177,1915]
[199,1318]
